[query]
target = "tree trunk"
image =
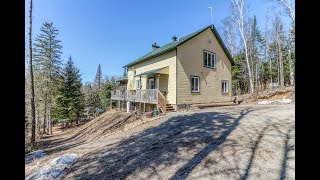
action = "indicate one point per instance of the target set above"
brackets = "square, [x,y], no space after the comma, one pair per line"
[38,120]
[281,66]
[248,66]
[49,122]
[257,87]
[45,115]
[270,70]
[33,113]
[278,68]
[291,69]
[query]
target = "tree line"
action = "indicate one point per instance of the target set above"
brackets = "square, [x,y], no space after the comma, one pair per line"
[264,56]
[54,92]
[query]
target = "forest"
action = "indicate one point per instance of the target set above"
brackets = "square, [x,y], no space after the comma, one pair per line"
[54,92]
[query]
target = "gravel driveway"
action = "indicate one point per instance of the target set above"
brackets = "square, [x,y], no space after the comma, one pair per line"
[236,142]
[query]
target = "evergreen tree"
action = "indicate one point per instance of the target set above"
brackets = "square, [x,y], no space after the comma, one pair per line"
[70,101]
[33,110]
[105,93]
[47,53]
[98,79]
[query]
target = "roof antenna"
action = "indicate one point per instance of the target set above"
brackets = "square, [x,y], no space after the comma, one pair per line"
[211,16]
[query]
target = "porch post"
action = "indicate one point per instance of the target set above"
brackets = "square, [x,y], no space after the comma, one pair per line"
[158,81]
[140,83]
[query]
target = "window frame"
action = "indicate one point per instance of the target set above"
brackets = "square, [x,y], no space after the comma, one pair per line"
[223,87]
[192,81]
[138,84]
[154,83]
[206,58]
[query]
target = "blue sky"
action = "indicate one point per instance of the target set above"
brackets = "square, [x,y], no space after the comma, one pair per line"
[116,32]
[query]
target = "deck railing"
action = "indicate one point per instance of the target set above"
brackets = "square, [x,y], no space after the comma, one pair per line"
[139,95]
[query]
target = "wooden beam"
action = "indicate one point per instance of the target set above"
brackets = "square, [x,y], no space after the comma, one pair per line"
[158,77]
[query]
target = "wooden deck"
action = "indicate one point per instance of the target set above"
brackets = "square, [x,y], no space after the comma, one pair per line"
[139,95]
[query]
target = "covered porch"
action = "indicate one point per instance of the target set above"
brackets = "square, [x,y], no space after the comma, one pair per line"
[151,87]
[153,79]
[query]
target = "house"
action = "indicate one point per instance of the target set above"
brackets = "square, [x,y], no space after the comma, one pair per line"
[193,69]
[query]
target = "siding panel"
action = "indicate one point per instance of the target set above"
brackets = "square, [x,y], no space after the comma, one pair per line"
[190,62]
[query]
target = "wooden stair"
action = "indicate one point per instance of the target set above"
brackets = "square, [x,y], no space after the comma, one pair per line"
[169,108]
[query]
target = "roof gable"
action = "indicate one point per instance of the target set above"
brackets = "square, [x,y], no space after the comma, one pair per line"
[173,45]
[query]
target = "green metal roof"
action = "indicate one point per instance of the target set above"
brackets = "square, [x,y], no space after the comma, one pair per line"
[122,79]
[173,45]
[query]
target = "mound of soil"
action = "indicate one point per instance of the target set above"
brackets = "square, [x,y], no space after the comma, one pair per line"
[270,94]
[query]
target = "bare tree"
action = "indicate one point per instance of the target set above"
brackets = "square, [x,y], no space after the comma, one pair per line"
[290,59]
[278,32]
[229,33]
[238,11]
[267,43]
[288,9]
[33,114]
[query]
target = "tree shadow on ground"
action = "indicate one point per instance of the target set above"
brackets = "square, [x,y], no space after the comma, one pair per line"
[269,139]
[159,147]
[80,136]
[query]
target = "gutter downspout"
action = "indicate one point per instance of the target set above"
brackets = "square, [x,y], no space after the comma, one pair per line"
[177,77]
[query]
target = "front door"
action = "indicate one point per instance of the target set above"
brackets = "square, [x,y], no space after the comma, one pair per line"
[151,84]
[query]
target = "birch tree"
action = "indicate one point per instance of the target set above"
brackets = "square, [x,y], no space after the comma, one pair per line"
[289,9]
[267,43]
[279,38]
[291,40]
[240,14]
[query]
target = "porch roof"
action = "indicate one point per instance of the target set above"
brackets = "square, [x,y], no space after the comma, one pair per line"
[164,70]
[124,79]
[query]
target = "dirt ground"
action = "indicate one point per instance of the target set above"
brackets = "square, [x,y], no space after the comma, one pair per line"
[233,142]
[269,94]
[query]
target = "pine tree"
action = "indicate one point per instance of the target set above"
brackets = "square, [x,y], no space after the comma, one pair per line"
[33,111]
[47,53]
[70,100]
[98,77]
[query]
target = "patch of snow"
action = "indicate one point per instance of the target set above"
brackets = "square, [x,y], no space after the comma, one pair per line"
[34,155]
[284,100]
[55,169]
[277,100]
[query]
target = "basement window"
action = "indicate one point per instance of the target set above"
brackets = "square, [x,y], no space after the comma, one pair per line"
[224,85]
[195,84]
[209,59]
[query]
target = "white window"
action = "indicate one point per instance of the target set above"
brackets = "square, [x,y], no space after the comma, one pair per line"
[138,84]
[209,59]
[195,84]
[151,83]
[224,85]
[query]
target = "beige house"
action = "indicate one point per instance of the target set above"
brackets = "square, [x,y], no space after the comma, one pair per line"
[189,70]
